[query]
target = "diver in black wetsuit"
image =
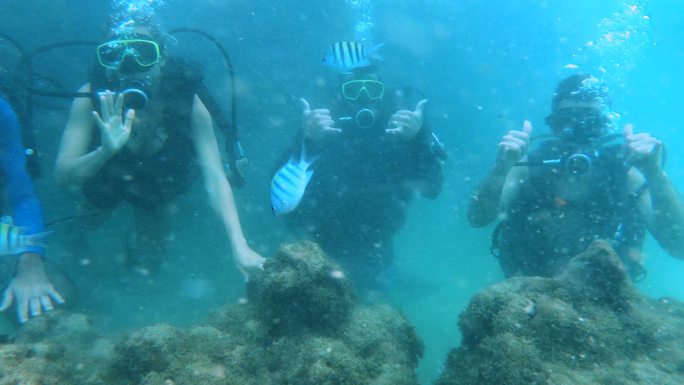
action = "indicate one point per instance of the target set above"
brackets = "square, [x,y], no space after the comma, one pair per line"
[576,188]
[146,145]
[375,155]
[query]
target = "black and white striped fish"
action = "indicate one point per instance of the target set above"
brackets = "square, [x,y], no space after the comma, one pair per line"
[289,183]
[348,55]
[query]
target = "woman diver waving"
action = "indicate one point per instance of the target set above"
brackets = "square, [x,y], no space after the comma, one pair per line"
[149,154]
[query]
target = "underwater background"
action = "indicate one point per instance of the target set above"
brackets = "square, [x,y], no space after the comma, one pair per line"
[485,66]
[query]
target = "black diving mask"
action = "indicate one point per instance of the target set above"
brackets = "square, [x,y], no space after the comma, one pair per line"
[580,124]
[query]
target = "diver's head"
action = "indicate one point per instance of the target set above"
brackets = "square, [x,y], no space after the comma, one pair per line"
[580,109]
[138,49]
[132,56]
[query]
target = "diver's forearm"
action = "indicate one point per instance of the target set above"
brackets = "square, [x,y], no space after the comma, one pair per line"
[668,214]
[485,204]
[223,201]
[78,170]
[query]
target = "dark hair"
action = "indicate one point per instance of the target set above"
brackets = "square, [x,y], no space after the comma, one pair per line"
[574,88]
[579,88]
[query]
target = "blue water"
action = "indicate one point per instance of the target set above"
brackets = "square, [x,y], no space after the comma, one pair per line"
[485,66]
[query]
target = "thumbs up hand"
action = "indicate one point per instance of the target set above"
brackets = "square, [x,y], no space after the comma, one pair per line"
[513,145]
[405,124]
[318,123]
[643,151]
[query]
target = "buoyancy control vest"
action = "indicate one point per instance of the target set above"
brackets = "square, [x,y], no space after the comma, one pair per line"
[549,224]
[151,180]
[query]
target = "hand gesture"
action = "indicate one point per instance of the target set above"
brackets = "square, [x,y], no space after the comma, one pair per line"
[318,124]
[114,129]
[643,151]
[513,145]
[405,124]
[31,288]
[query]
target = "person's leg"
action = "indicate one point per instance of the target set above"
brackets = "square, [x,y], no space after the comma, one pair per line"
[148,245]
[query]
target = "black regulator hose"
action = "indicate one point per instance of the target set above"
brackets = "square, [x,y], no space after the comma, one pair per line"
[229,128]
[232,142]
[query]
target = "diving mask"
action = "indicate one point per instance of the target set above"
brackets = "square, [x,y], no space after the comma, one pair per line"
[135,55]
[580,123]
[352,89]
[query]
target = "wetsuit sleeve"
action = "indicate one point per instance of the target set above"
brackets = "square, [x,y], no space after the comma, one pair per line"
[18,188]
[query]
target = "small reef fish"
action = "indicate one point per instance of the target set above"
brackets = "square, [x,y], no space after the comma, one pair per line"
[13,240]
[289,183]
[348,55]
[571,66]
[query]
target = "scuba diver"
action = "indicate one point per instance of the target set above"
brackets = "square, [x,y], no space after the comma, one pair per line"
[142,136]
[577,187]
[368,156]
[23,277]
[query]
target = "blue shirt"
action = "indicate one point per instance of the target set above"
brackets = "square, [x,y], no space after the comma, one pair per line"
[16,183]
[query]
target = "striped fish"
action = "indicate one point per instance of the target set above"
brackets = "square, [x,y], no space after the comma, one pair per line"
[348,55]
[13,240]
[289,183]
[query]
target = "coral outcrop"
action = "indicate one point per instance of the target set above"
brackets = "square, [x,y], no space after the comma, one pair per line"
[300,326]
[588,326]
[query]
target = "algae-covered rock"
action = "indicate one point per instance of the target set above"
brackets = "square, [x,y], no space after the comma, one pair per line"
[302,287]
[323,339]
[587,326]
[55,348]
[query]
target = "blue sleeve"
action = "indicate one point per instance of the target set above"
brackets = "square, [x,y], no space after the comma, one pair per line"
[18,188]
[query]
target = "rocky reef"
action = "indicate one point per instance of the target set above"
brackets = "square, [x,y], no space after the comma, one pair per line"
[300,326]
[588,326]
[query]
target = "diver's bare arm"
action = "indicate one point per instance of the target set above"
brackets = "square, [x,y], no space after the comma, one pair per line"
[220,193]
[485,204]
[666,220]
[502,185]
[75,164]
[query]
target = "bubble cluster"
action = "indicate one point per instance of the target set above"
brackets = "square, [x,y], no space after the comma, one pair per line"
[126,14]
[621,37]
[364,19]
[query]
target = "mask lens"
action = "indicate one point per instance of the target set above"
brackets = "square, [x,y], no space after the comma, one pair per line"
[374,89]
[581,122]
[111,54]
[145,52]
[352,90]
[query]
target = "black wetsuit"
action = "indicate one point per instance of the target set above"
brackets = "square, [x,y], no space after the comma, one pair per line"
[359,194]
[544,228]
[150,181]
